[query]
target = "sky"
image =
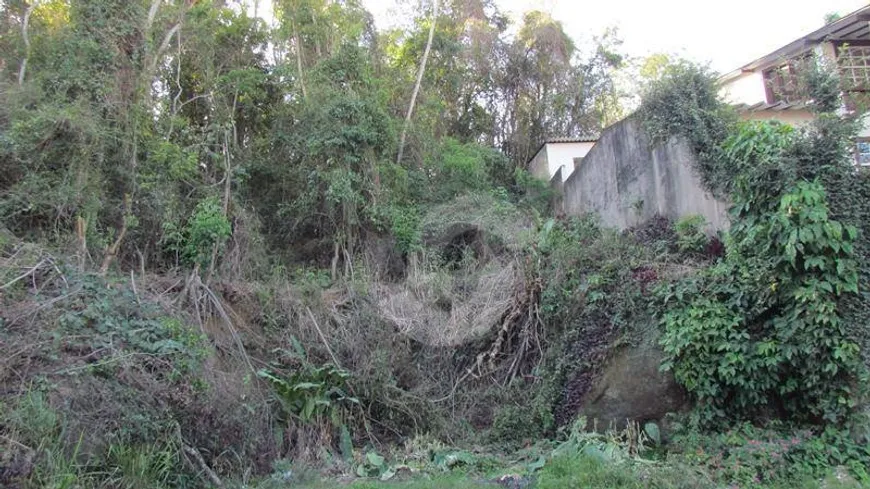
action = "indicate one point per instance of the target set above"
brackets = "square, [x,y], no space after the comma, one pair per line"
[727,34]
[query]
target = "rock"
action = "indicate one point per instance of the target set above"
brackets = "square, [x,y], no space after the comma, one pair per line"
[513,481]
[631,386]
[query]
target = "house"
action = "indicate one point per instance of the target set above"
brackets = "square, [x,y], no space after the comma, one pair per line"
[559,153]
[769,88]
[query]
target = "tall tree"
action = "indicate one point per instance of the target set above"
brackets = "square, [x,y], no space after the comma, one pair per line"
[419,81]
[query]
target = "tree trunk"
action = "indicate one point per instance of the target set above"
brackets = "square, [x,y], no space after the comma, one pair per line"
[299,59]
[419,81]
[23,68]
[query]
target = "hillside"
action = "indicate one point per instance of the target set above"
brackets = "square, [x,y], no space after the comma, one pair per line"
[310,254]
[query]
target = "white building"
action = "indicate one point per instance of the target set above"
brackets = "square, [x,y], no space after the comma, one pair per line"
[559,153]
[770,87]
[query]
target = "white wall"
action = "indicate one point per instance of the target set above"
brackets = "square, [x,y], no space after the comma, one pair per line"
[747,89]
[561,155]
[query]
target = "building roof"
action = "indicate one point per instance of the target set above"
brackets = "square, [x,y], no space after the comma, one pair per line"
[778,106]
[570,140]
[852,27]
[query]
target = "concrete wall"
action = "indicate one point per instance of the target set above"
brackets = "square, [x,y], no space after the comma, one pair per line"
[538,166]
[557,185]
[626,181]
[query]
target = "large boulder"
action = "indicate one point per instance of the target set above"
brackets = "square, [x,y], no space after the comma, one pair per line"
[631,386]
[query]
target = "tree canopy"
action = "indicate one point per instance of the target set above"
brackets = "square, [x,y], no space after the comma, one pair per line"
[123,121]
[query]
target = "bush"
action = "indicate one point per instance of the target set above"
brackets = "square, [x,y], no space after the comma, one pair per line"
[685,102]
[207,230]
[691,237]
[762,333]
[761,330]
[745,454]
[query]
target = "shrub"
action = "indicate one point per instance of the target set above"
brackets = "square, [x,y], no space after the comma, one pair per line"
[762,329]
[206,229]
[765,332]
[685,102]
[691,237]
[745,454]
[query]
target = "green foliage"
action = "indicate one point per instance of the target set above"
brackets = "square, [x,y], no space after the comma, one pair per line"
[684,102]
[763,332]
[514,424]
[313,394]
[744,454]
[752,152]
[206,231]
[822,84]
[405,227]
[126,465]
[596,295]
[534,192]
[691,236]
[114,320]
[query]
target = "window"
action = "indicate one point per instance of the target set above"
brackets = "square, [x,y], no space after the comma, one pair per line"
[782,84]
[862,152]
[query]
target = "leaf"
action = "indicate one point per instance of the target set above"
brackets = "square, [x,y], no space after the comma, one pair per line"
[652,430]
[375,460]
[388,474]
[308,409]
[346,444]
[538,464]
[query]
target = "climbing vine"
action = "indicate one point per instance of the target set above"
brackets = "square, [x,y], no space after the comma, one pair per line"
[767,330]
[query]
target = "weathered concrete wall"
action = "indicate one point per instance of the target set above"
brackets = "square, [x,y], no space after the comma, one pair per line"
[539,166]
[557,184]
[626,180]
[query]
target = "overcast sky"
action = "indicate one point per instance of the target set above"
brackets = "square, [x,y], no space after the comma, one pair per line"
[727,33]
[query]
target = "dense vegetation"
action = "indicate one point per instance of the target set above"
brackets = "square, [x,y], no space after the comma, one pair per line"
[235,253]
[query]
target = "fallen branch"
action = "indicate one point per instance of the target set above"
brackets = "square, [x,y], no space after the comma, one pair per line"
[323,338]
[193,452]
[29,272]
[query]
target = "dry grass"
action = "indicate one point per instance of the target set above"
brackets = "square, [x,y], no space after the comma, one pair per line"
[447,310]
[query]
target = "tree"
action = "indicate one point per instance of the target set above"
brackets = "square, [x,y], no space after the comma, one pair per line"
[419,81]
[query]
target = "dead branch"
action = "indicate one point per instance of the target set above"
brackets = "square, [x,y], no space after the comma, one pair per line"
[17,443]
[222,312]
[152,14]
[163,46]
[81,238]
[26,274]
[193,452]
[323,338]
[112,251]
[133,285]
